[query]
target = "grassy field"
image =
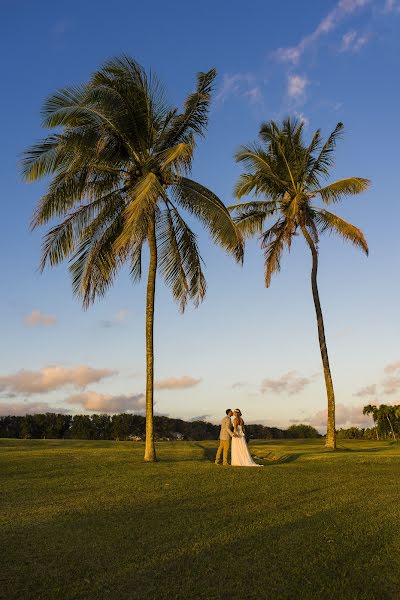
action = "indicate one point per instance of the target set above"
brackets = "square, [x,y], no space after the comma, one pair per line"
[89,520]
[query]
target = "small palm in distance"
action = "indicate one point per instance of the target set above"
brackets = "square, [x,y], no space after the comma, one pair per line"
[119,180]
[286,173]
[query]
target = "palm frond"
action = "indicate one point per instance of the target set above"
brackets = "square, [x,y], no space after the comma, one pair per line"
[140,211]
[273,243]
[178,158]
[250,216]
[61,240]
[325,159]
[207,207]
[328,222]
[41,159]
[194,118]
[335,191]
[179,258]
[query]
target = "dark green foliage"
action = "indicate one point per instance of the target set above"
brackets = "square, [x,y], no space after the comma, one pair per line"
[122,427]
[302,431]
[386,418]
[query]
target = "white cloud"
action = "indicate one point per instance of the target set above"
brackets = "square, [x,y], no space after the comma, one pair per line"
[340,11]
[289,383]
[51,378]
[176,383]
[297,86]
[106,403]
[37,318]
[353,42]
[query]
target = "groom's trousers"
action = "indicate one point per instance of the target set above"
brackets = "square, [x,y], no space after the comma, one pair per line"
[223,447]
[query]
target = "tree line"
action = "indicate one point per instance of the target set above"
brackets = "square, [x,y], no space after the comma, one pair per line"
[119,158]
[128,426]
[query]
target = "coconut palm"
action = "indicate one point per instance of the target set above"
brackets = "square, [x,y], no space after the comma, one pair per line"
[285,176]
[387,415]
[119,163]
[371,409]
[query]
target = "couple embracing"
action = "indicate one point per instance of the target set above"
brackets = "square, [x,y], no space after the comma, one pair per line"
[240,455]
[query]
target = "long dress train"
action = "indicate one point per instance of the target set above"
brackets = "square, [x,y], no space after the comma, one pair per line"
[240,455]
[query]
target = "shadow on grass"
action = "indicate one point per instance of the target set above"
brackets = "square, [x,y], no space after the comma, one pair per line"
[165,553]
[359,450]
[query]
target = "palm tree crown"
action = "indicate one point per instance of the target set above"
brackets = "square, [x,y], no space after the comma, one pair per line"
[119,167]
[287,173]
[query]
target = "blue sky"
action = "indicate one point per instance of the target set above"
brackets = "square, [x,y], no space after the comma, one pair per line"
[244,346]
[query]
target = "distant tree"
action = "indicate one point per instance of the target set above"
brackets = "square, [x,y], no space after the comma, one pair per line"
[302,431]
[288,175]
[82,428]
[371,409]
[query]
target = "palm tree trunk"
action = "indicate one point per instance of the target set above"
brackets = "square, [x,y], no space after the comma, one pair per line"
[330,432]
[150,451]
[391,427]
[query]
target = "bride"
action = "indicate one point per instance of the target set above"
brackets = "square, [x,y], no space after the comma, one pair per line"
[240,455]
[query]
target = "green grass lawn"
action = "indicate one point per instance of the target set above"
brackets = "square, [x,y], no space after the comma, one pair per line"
[89,520]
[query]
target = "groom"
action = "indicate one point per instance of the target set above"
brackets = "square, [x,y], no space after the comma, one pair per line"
[225,436]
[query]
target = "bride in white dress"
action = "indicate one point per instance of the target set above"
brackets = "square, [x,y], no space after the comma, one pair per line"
[240,455]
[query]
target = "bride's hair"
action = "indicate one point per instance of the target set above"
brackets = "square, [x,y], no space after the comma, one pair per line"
[238,413]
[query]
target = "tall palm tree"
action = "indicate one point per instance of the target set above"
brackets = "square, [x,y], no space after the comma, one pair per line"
[286,173]
[119,166]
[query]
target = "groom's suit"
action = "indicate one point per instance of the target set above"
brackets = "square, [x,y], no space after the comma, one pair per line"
[224,439]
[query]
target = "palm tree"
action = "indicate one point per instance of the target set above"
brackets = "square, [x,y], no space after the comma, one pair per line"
[371,409]
[286,173]
[119,166]
[388,413]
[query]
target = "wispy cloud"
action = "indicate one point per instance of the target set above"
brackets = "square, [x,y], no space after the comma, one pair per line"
[176,383]
[200,418]
[119,317]
[289,383]
[340,11]
[36,319]
[243,85]
[388,385]
[368,390]
[51,378]
[20,409]
[353,41]
[391,6]
[238,385]
[296,87]
[346,416]
[106,403]
[302,117]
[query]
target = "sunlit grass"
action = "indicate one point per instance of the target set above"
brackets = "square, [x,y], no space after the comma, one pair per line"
[87,520]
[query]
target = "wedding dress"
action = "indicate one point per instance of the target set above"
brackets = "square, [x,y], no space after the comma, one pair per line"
[240,455]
